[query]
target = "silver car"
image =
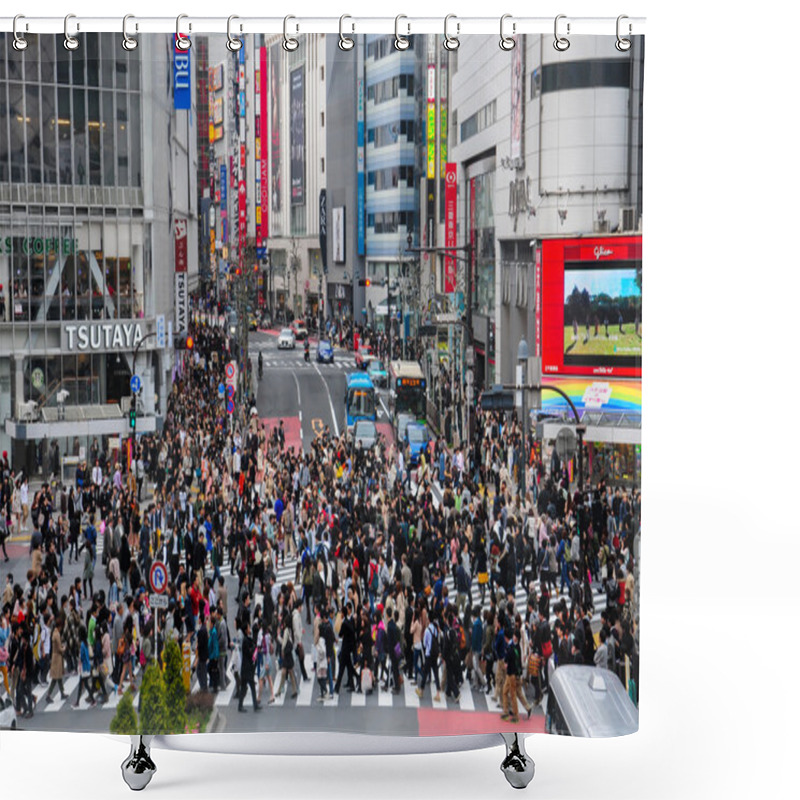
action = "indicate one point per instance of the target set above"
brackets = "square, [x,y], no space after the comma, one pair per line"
[286,340]
[365,434]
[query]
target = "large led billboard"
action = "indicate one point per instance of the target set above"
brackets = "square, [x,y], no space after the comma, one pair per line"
[591,306]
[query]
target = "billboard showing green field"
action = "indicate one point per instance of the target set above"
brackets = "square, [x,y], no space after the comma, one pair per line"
[602,313]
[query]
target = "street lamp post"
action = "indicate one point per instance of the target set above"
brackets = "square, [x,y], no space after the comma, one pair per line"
[522,380]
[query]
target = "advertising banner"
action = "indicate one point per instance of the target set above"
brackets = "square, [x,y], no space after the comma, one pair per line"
[215,77]
[223,200]
[264,163]
[323,229]
[181,246]
[297,135]
[360,169]
[431,128]
[592,306]
[450,217]
[181,302]
[181,76]
[517,97]
[258,90]
[614,396]
[275,65]
[339,252]
[242,201]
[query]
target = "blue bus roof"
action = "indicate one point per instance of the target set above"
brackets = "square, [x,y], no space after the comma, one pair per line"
[359,380]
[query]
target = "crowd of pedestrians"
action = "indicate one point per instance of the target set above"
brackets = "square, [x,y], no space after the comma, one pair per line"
[384,561]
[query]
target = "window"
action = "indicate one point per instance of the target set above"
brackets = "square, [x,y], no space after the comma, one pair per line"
[591,73]
[391,178]
[479,121]
[322,165]
[390,221]
[380,48]
[389,89]
[392,133]
[322,119]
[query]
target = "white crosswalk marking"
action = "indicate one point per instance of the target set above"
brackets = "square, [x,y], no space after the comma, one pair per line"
[358,699]
[385,698]
[410,694]
[306,688]
[70,685]
[466,701]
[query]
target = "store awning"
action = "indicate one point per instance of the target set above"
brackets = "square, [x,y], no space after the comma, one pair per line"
[99,420]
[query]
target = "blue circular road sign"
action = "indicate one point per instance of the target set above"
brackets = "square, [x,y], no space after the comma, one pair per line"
[136,383]
[158,577]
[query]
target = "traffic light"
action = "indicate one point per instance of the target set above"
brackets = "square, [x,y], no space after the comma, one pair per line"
[132,419]
[364,282]
[184,341]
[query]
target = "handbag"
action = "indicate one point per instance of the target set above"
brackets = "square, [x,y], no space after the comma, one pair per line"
[534,663]
[483,578]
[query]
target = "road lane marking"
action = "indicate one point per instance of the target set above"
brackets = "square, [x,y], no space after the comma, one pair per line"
[330,400]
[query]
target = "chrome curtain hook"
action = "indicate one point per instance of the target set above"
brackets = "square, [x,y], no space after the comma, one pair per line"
[182,42]
[20,42]
[401,42]
[507,42]
[290,44]
[622,44]
[70,42]
[128,42]
[451,42]
[345,42]
[561,43]
[233,44]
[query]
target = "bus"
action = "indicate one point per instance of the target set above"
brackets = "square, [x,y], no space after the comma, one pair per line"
[359,399]
[408,389]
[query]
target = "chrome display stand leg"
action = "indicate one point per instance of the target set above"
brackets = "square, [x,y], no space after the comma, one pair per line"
[138,768]
[517,766]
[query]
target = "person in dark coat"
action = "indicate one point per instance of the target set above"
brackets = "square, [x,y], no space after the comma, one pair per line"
[348,636]
[248,669]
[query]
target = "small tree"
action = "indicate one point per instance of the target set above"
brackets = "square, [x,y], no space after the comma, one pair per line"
[153,704]
[175,689]
[125,721]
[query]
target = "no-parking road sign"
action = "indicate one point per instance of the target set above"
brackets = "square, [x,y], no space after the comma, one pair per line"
[158,577]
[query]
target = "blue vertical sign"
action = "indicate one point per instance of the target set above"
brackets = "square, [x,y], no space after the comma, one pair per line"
[361,199]
[181,76]
[223,200]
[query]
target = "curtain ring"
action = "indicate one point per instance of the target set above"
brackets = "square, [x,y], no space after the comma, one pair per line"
[20,42]
[182,40]
[290,44]
[561,43]
[451,42]
[507,42]
[623,45]
[345,42]
[70,42]
[400,42]
[128,42]
[233,44]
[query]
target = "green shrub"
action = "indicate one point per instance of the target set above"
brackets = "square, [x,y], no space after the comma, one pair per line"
[175,690]
[125,722]
[154,718]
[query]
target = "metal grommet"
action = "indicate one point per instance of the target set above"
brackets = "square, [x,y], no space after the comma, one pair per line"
[622,44]
[182,41]
[20,42]
[233,44]
[290,44]
[128,42]
[507,42]
[345,42]
[401,42]
[561,43]
[70,42]
[451,42]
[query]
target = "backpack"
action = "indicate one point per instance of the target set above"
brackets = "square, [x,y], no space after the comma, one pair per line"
[434,643]
[373,580]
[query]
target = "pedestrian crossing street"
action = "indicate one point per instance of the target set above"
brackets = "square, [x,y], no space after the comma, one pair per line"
[293,359]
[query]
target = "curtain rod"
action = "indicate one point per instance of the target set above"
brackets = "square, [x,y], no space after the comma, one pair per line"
[346,25]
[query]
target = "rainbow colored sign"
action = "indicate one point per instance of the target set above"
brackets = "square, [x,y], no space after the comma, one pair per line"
[612,396]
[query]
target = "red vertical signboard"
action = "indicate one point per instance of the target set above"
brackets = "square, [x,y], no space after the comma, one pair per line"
[181,249]
[450,203]
[538,300]
[264,161]
[242,203]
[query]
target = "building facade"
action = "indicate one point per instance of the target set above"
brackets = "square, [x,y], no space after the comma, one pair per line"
[89,200]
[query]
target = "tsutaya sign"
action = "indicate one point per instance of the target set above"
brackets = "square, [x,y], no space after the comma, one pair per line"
[96,337]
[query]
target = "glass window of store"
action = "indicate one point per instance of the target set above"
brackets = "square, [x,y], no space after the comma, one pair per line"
[480,214]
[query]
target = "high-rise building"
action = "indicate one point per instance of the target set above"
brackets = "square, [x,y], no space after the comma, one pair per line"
[98,198]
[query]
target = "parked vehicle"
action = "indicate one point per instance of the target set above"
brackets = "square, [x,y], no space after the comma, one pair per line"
[299,330]
[286,340]
[363,356]
[324,352]
[377,373]
[417,438]
[401,423]
[589,701]
[365,434]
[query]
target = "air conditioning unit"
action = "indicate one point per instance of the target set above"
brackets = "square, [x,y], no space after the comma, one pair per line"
[27,412]
[627,218]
